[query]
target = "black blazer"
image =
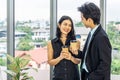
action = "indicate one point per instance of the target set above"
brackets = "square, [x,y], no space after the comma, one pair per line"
[98,58]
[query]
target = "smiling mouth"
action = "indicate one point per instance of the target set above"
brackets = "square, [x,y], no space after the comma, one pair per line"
[66,30]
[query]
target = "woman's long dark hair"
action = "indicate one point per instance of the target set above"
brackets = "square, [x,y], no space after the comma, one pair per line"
[71,34]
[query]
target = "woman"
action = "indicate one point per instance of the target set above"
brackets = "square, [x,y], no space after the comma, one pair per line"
[64,62]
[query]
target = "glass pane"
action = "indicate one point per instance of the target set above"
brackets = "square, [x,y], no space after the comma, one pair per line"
[113,30]
[3,39]
[32,31]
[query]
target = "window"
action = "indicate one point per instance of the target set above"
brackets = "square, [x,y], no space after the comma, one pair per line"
[113,30]
[3,38]
[32,19]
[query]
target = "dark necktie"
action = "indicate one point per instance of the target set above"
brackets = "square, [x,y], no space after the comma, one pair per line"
[88,40]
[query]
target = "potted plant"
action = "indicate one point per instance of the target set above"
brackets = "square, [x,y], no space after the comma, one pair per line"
[17,67]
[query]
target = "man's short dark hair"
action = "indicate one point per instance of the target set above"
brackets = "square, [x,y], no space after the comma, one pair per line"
[90,10]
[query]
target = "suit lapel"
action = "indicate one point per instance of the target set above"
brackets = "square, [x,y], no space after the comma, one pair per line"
[95,33]
[97,30]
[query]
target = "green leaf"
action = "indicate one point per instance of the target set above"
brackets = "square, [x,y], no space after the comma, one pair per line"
[10,58]
[35,69]
[24,68]
[11,73]
[28,78]
[14,67]
[17,65]
[24,74]
[24,61]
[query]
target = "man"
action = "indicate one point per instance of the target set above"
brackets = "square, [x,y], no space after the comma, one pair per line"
[96,55]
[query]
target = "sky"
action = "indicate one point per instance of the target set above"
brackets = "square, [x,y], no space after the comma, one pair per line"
[40,9]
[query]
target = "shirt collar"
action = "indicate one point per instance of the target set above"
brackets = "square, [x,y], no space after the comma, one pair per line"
[94,29]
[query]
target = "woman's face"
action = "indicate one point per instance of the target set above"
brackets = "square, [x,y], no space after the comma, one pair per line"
[65,27]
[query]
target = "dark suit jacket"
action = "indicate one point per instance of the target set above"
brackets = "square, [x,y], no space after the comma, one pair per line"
[98,59]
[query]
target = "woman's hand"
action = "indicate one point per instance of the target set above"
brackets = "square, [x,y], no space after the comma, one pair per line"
[65,55]
[62,55]
[68,56]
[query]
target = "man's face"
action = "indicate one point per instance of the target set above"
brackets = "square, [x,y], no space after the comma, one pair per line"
[84,21]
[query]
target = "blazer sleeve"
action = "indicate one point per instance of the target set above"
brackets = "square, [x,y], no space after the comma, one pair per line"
[104,51]
[79,54]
